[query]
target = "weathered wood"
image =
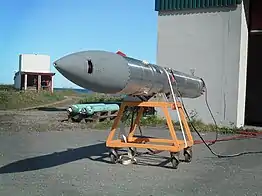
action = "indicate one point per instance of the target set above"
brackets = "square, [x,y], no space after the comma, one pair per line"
[96,117]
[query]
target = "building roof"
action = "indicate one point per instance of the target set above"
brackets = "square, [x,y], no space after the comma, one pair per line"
[170,5]
[35,73]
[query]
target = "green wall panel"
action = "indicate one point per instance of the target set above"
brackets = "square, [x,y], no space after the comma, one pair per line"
[165,5]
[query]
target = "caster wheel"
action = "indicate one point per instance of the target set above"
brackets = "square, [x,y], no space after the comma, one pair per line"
[175,162]
[113,158]
[175,159]
[188,154]
[133,151]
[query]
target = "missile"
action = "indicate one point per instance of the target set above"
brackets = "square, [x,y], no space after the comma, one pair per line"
[115,73]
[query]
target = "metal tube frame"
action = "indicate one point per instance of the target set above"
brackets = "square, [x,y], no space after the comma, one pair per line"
[172,145]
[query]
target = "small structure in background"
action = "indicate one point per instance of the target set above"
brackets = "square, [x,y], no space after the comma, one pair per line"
[34,73]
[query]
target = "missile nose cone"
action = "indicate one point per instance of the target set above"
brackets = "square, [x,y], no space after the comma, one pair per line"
[63,65]
[71,66]
[58,65]
[95,70]
[55,64]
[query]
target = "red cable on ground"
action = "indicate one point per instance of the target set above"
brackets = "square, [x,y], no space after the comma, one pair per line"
[242,135]
[255,133]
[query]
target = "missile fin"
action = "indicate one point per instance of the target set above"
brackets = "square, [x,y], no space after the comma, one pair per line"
[120,53]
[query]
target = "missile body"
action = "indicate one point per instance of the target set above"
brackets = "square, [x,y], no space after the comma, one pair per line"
[111,73]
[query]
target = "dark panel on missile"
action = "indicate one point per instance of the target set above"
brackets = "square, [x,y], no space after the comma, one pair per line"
[170,5]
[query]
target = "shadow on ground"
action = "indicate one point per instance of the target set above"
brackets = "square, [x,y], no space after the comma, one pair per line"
[96,152]
[57,158]
[100,151]
[51,109]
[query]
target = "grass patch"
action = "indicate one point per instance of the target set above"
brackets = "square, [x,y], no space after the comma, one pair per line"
[68,92]
[100,97]
[23,99]
[202,127]
[7,87]
[148,121]
[153,120]
[10,98]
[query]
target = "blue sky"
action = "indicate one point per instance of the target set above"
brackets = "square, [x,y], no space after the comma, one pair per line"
[60,27]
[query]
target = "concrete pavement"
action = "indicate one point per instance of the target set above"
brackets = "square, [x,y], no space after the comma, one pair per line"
[75,162]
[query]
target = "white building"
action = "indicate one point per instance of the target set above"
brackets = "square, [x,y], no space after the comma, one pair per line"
[34,73]
[221,40]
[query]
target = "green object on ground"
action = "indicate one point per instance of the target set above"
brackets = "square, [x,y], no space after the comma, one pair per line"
[80,108]
[90,109]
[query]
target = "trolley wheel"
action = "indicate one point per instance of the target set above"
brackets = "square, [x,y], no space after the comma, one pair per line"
[175,162]
[76,119]
[133,151]
[175,159]
[113,156]
[188,154]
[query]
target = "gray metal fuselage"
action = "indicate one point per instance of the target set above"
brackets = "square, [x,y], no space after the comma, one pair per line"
[111,73]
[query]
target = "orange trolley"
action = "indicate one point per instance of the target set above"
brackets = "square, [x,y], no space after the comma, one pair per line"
[173,145]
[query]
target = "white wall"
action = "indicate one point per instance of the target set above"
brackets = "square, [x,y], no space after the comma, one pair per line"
[242,67]
[34,63]
[207,41]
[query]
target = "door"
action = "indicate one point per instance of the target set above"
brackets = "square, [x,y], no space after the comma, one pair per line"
[253,110]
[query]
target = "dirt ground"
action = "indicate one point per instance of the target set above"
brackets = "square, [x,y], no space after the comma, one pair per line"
[51,119]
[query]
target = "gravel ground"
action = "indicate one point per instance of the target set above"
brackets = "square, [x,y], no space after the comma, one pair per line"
[36,120]
[40,155]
